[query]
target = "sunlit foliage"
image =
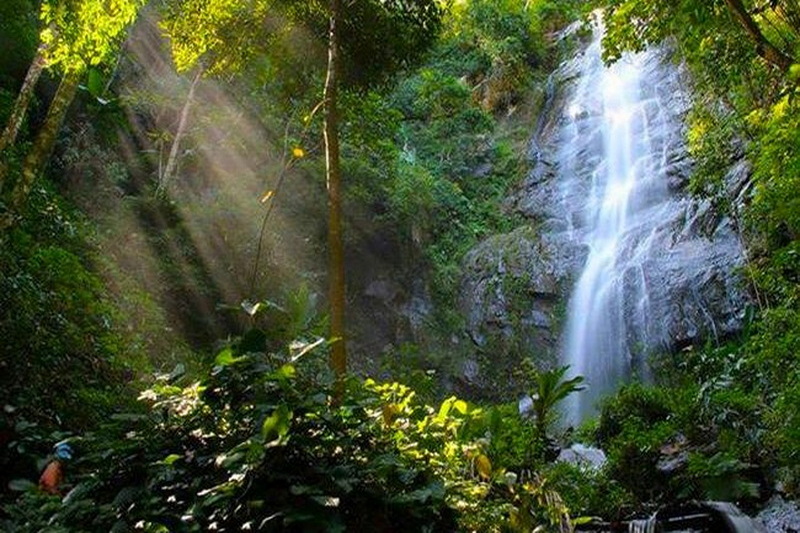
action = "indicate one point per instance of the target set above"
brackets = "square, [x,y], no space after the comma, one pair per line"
[218,35]
[79,34]
[224,36]
[258,444]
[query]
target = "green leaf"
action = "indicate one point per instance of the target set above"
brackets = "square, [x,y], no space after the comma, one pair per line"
[226,357]
[445,408]
[94,83]
[228,460]
[276,426]
[484,466]
[286,372]
[251,308]
[460,406]
[170,459]
[127,496]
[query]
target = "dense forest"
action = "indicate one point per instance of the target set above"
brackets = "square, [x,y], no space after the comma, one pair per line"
[292,265]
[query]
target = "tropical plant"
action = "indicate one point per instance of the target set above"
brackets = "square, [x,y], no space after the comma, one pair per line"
[260,444]
[549,388]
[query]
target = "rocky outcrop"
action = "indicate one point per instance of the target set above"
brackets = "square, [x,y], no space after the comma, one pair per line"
[780,516]
[693,283]
[513,288]
[676,267]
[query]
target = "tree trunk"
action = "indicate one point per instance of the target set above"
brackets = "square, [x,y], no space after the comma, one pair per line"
[338,357]
[172,160]
[764,47]
[42,145]
[14,124]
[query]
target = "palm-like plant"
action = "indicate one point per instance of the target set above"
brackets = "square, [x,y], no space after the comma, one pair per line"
[551,388]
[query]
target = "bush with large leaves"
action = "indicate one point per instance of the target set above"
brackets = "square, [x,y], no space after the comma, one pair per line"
[260,445]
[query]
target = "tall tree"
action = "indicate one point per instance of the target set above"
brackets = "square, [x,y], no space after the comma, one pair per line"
[18,39]
[45,140]
[766,49]
[334,184]
[366,42]
[172,160]
[77,35]
[24,97]
[20,109]
[634,24]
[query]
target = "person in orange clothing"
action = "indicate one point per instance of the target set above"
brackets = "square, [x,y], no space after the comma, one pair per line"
[53,475]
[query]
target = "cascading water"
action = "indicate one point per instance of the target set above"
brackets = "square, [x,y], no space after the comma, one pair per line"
[608,221]
[613,156]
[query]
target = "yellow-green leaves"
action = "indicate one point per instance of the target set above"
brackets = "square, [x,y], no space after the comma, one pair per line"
[794,73]
[219,33]
[83,33]
[171,459]
[275,429]
[389,412]
[452,404]
[226,357]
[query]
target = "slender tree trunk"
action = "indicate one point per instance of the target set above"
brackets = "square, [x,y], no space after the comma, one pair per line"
[338,358]
[764,47]
[172,160]
[14,124]
[42,145]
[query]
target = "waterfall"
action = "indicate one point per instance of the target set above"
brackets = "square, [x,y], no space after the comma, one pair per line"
[609,224]
[612,160]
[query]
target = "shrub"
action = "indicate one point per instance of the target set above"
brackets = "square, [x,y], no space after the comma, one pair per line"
[269,441]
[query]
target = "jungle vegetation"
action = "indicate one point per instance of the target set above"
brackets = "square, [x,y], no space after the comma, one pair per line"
[204,387]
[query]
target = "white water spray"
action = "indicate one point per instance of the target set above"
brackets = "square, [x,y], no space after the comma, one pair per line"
[613,150]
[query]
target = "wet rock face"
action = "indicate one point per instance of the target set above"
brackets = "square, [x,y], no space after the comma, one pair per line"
[780,516]
[677,264]
[512,289]
[694,288]
[676,267]
[512,299]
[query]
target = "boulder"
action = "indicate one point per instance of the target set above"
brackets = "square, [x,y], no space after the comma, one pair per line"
[780,516]
[583,456]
